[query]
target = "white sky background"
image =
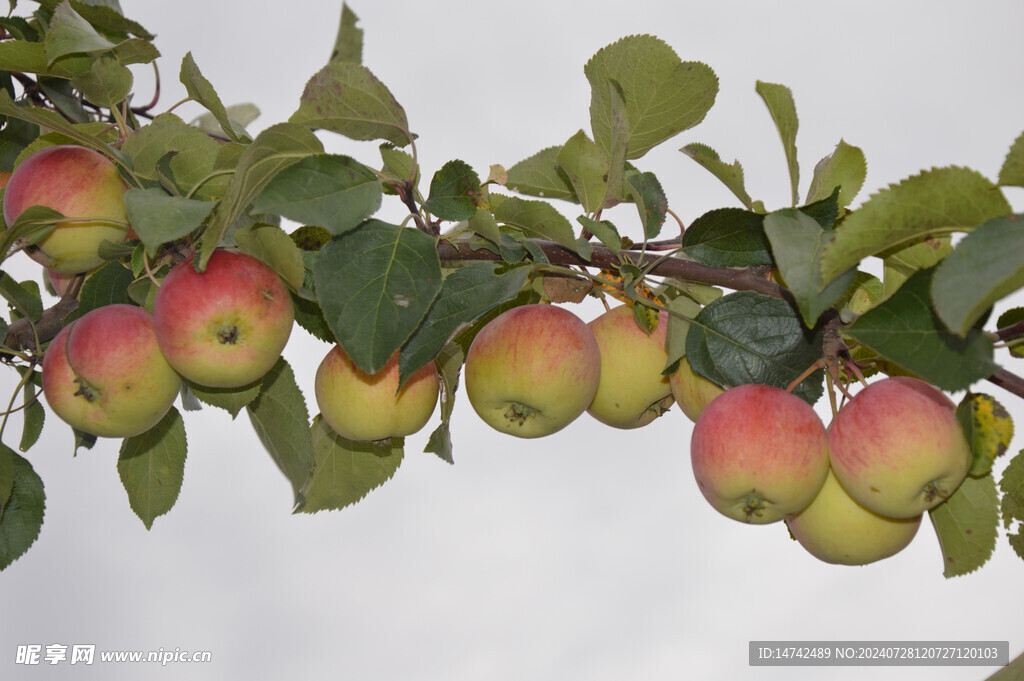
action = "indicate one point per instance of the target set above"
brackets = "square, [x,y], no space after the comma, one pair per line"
[589,554]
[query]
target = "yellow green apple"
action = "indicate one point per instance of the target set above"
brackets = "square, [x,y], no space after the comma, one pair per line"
[80,183]
[371,407]
[224,327]
[836,529]
[532,370]
[759,453]
[104,374]
[691,392]
[897,447]
[632,391]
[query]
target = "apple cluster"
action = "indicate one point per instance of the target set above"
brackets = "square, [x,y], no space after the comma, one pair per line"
[116,370]
[851,494]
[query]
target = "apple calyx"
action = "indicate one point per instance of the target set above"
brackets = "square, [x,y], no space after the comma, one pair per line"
[754,505]
[228,335]
[933,490]
[519,413]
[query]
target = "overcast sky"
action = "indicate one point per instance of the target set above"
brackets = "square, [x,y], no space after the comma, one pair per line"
[589,554]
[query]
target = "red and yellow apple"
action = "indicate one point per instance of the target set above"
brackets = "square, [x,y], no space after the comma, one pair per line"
[104,374]
[632,391]
[81,184]
[226,326]
[759,453]
[692,392]
[836,529]
[897,447]
[532,370]
[371,407]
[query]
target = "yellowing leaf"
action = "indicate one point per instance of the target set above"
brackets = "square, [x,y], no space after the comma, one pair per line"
[988,428]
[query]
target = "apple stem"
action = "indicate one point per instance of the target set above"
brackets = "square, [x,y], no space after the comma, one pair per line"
[820,364]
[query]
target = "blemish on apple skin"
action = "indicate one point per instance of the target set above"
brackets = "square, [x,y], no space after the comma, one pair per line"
[874,489]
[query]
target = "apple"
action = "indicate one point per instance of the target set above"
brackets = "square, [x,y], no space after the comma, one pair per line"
[79,183]
[104,374]
[632,391]
[371,407]
[836,529]
[691,392]
[532,370]
[226,326]
[759,453]
[897,447]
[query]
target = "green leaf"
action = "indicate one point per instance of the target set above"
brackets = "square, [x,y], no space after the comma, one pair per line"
[587,166]
[332,191]
[15,136]
[21,516]
[6,475]
[281,422]
[33,418]
[748,337]
[231,400]
[536,218]
[966,524]
[466,294]
[905,330]
[273,150]
[30,57]
[728,237]
[399,165]
[986,266]
[272,245]
[449,364]
[731,175]
[106,16]
[1009,317]
[70,33]
[645,191]
[22,297]
[484,224]
[988,428]
[19,28]
[455,192]
[663,96]
[159,219]
[1012,172]
[348,45]
[541,176]
[55,122]
[936,201]
[845,168]
[200,89]
[779,100]
[152,467]
[136,51]
[797,241]
[375,284]
[346,98]
[33,225]
[238,116]
[900,264]
[108,285]
[604,230]
[682,309]
[193,155]
[345,471]
[106,83]
[1012,487]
